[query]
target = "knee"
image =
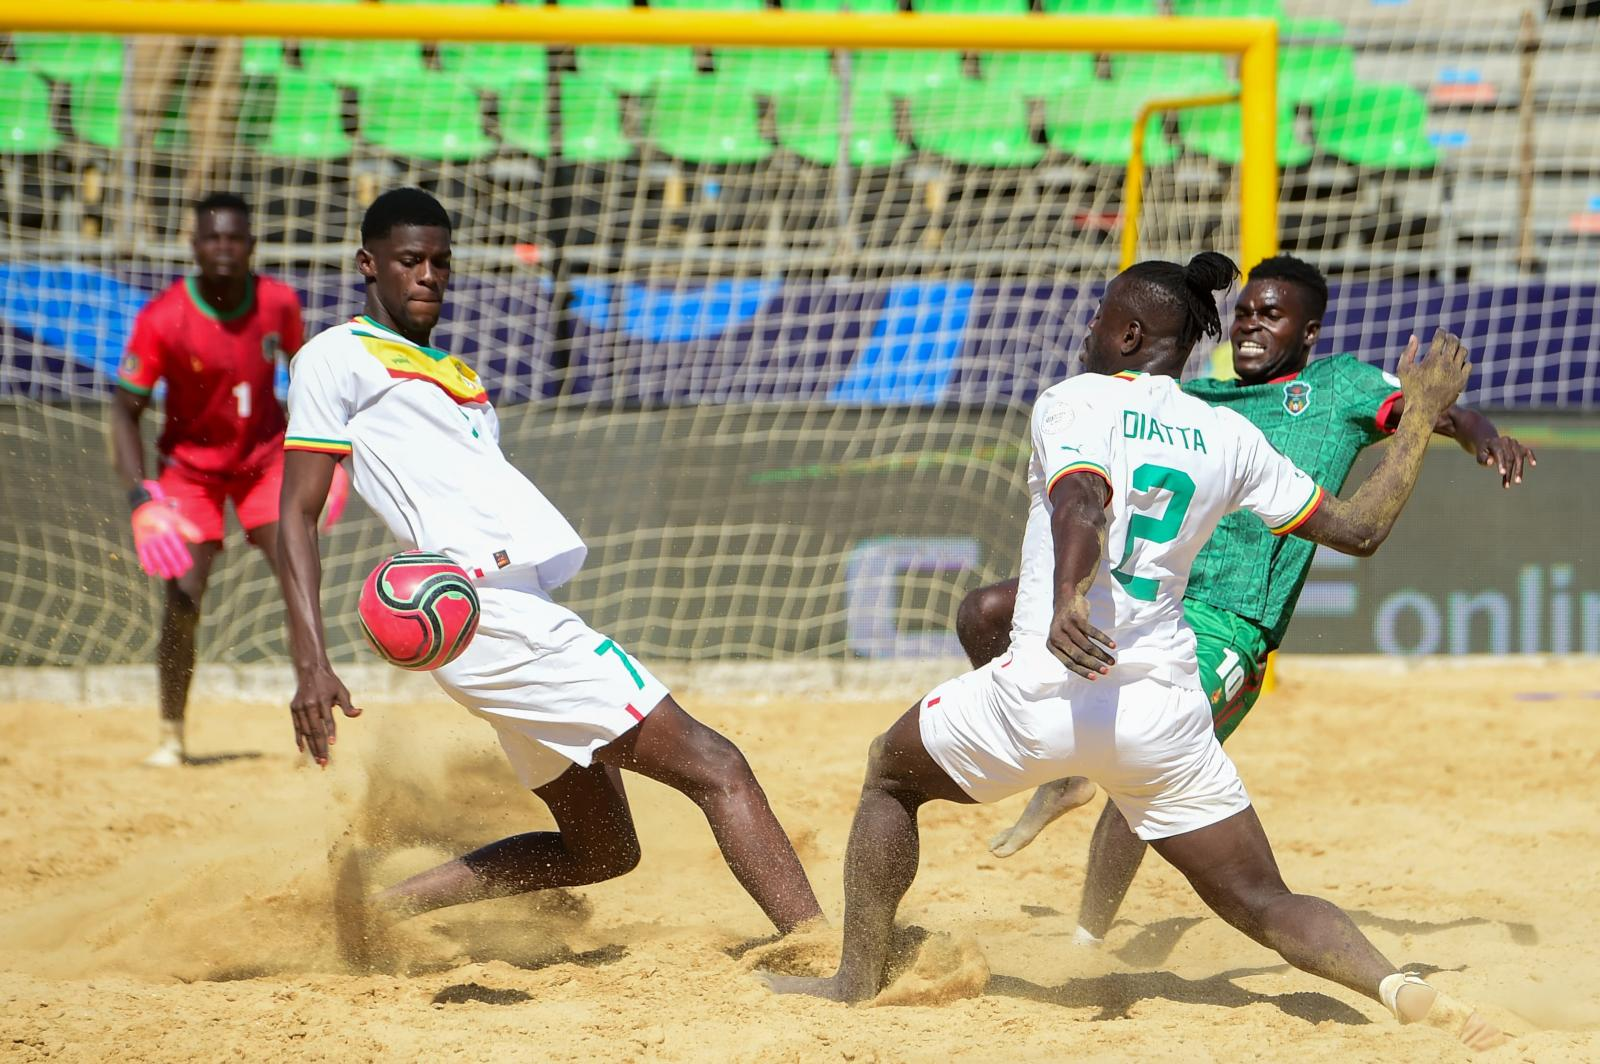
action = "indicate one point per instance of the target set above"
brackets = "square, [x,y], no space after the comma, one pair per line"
[721,770]
[983,623]
[183,600]
[615,854]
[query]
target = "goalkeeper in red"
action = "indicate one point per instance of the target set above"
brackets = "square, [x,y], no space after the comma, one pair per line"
[215,338]
[1246,581]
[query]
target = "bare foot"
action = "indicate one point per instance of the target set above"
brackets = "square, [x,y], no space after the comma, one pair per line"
[1420,1003]
[830,988]
[1048,803]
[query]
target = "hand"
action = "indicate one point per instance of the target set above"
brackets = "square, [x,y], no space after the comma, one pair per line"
[161,535]
[1432,383]
[315,695]
[1076,643]
[338,495]
[1507,457]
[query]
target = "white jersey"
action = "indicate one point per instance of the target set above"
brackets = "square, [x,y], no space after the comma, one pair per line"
[1175,466]
[425,449]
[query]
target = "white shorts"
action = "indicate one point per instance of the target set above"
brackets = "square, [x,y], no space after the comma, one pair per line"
[555,689]
[1024,719]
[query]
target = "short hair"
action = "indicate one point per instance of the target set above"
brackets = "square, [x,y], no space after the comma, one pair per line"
[1299,273]
[402,206]
[223,201]
[1178,298]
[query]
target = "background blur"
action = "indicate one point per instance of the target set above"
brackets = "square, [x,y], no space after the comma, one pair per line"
[767,325]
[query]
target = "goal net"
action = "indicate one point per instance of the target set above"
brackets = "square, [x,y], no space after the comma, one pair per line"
[765,322]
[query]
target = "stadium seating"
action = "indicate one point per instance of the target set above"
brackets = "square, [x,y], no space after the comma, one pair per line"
[1215,132]
[525,117]
[1272,9]
[704,121]
[1121,8]
[1378,126]
[636,71]
[63,56]
[25,127]
[1094,123]
[307,120]
[903,73]
[359,64]
[970,7]
[709,5]
[448,129]
[1171,75]
[769,71]
[1037,74]
[494,65]
[975,124]
[861,7]
[96,108]
[807,123]
[1307,73]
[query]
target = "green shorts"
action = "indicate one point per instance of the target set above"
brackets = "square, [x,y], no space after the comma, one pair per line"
[1233,659]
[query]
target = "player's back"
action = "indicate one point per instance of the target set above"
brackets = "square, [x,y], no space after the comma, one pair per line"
[1175,466]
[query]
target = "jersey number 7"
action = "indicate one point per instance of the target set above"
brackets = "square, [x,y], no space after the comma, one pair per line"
[1163,529]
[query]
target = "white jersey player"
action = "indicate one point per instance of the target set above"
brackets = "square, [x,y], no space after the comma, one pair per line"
[569,705]
[1128,478]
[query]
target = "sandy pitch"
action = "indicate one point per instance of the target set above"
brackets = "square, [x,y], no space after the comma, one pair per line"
[183,915]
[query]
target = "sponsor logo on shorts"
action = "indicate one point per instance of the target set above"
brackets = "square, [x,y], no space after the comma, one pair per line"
[502,559]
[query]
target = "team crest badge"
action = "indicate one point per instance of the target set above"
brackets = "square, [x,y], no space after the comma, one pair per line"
[271,347]
[1296,397]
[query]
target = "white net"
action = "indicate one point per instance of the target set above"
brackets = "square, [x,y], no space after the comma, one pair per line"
[765,324]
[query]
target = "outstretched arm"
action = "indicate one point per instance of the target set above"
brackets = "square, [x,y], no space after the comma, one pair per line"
[1477,435]
[306,477]
[1078,529]
[1360,524]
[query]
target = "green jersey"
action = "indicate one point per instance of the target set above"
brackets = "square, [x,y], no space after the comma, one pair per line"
[1321,419]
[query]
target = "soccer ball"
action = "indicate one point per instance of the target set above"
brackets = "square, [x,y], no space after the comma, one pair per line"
[418,610]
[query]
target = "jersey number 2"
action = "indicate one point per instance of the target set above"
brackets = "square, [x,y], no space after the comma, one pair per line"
[1164,529]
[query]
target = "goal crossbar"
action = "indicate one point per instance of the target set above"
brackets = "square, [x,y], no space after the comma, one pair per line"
[1254,40]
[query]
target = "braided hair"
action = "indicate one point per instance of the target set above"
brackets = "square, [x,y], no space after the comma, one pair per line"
[1178,299]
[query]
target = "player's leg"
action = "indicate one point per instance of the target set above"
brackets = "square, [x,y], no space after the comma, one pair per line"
[255,501]
[880,859]
[1232,654]
[983,621]
[1231,866]
[594,841]
[673,748]
[201,503]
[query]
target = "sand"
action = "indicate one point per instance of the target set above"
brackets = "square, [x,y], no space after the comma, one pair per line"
[183,915]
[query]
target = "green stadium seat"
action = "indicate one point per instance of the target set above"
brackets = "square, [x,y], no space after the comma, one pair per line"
[1122,8]
[25,127]
[970,7]
[359,64]
[96,108]
[1311,29]
[525,117]
[1381,126]
[591,121]
[1037,74]
[905,73]
[708,5]
[858,7]
[1307,73]
[448,128]
[492,65]
[64,56]
[1215,132]
[1147,76]
[976,124]
[307,120]
[1272,9]
[769,71]
[1095,123]
[594,5]
[636,70]
[808,124]
[262,57]
[705,121]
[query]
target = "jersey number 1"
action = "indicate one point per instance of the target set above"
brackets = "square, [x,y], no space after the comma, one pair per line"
[241,398]
[1164,529]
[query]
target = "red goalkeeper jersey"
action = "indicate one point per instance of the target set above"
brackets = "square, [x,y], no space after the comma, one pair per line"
[222,415]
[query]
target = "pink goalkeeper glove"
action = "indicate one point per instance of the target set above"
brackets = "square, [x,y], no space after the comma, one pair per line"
[161,535]
[338,495]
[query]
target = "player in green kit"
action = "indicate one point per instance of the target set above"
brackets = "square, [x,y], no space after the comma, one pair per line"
[1244,585]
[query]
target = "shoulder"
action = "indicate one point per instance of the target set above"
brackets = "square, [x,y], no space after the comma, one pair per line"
[333,346]
[272,293]
[1349,367]
[1211,389]
[171,300]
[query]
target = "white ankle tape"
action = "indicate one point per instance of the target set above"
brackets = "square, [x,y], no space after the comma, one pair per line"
[1389,990]
[1084,937]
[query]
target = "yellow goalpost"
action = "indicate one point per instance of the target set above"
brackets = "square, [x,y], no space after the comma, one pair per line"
[1255,41]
